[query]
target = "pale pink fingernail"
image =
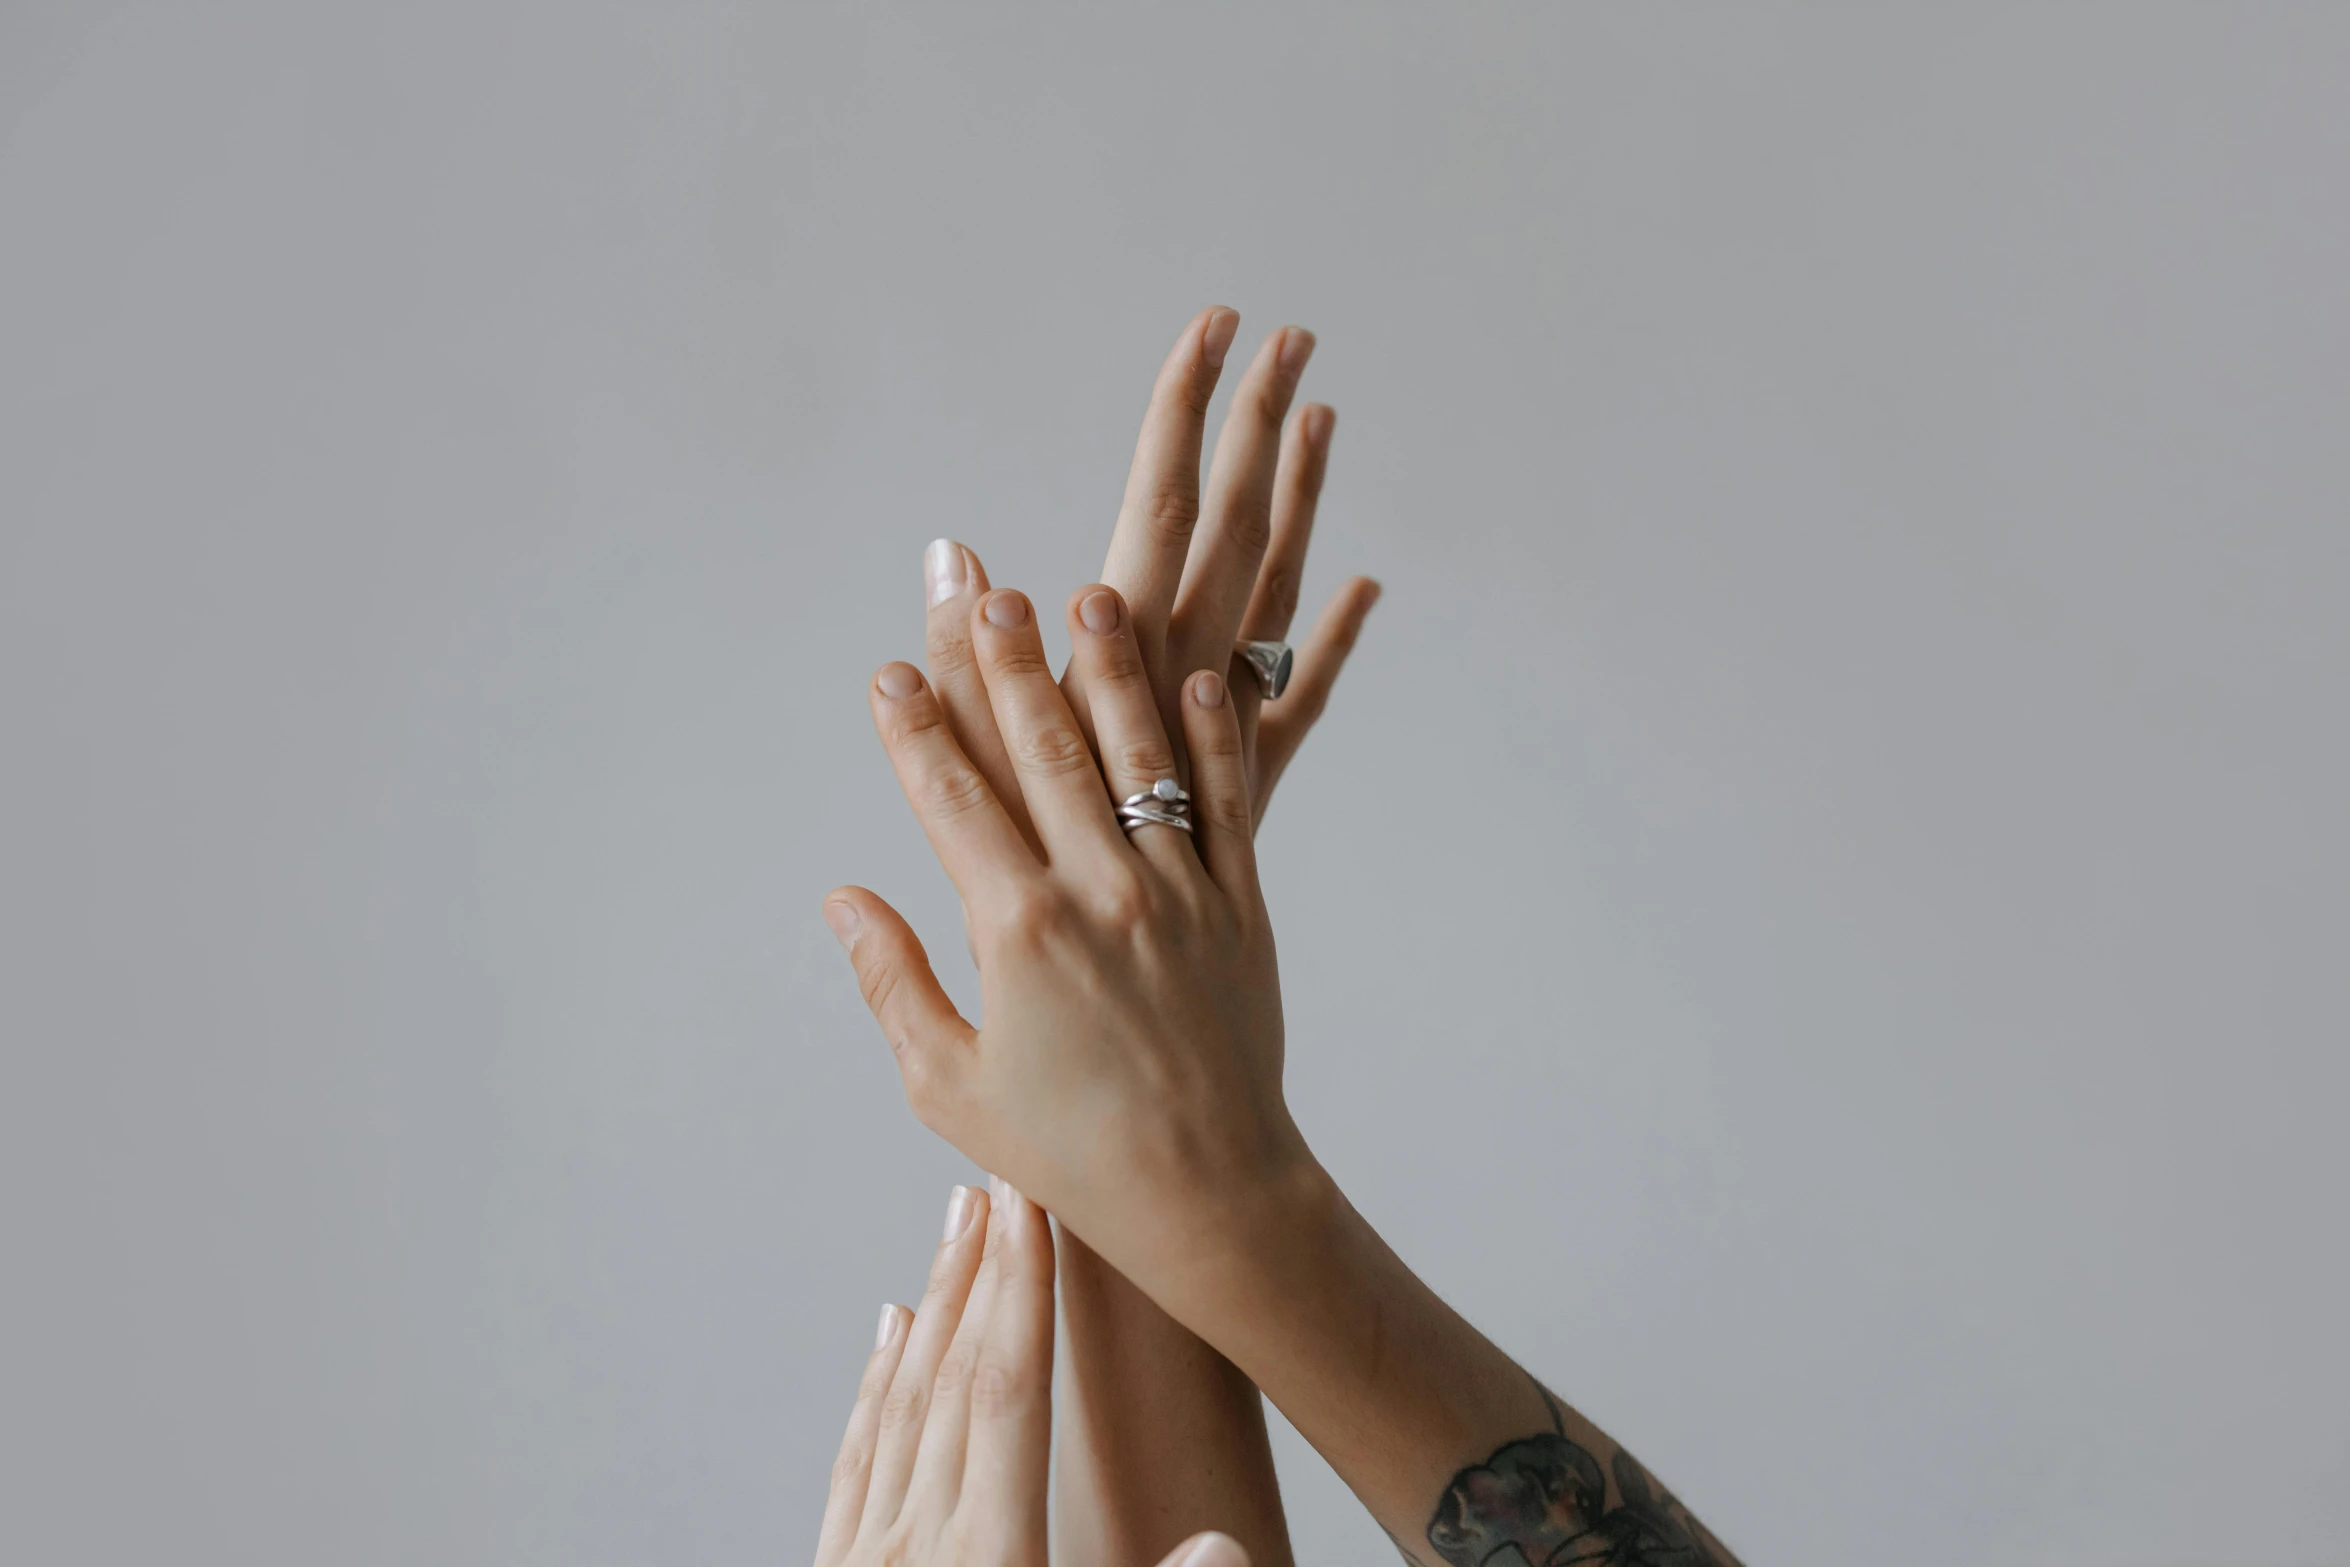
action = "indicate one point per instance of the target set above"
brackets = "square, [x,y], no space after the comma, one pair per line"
[845,922]
[1320,420]
[1216,1550]
[944,569]
[1216,341]
[1006,610]
[1208,689]
[899,681]
[960,1202]
[888,1328]
[1297,346]
[1099,611]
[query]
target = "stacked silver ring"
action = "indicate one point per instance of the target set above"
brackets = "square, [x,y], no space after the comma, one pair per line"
[1163,804]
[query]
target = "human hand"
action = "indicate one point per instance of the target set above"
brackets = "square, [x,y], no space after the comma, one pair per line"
[1193,593]
[1129,1075]
[945,1457]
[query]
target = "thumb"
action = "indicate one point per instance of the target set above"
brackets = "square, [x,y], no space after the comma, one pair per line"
[922,1026]
[1207,1550]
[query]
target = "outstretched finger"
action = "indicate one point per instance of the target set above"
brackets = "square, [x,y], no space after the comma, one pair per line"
[969,832]
[953,580]
[845,1501]
[1297,492]
[1156,518]
[925,1032]
[1011,1436]
[1220,809]
[1057,771]
[1282,726]
[1128,733]
[938,1466]
[905,1408]
[1237,517]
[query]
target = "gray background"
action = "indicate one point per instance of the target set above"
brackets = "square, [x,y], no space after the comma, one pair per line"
[1821,918]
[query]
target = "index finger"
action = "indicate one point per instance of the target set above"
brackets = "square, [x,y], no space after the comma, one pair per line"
[968,830]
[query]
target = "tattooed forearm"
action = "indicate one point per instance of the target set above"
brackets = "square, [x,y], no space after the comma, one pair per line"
[1543,1501]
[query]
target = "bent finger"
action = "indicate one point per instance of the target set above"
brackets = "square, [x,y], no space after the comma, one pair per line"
[1128,734]
[968,829]
[1057,771]
[1220,808]
[845,1500]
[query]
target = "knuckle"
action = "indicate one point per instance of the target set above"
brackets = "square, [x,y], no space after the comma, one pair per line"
[1019,657]
[998,1390]
[957,1370]
[1170,511]
[1149,758]
[954,792]
[1126,900]
[850,1465]
[1250,525]
[1028,915]
[878,983]
[1053,749]
[906,1405]
[1281,589]
[1228,815]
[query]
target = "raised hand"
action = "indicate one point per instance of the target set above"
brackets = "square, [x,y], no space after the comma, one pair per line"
[1196,578]
[944,1462]
[1130,1071]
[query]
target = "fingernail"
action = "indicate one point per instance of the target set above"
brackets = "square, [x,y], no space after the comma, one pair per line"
[1006,610]
[1208,689]
[995,1188]
[960,1202]
[888,1329]
[1297,346]
[943,569]
[899,681]
[1216,341]
[1320,421]
[1099,611]
[845,923]
[1216,1550]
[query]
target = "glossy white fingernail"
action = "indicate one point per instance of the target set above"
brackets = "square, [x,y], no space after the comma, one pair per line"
[944,571]
[888,1328]
[845,922]
[1215,1550]
[960,1202]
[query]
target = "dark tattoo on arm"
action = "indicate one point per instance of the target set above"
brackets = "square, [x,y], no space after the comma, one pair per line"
[1542,1501]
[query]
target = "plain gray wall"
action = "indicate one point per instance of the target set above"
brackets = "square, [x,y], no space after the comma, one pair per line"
[1818,917]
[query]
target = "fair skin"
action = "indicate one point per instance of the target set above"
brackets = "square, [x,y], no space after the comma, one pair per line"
[1129,1078]
[1162,1435]
[946,1453]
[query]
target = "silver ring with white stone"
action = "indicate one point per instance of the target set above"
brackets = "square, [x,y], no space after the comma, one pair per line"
[1163,804]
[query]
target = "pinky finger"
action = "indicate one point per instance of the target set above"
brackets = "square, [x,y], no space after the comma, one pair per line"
[854,1467]
[1219,786]
[1283,727]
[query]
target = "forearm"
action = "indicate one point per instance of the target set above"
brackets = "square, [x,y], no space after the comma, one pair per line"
[1160,1435]
[1455,1450]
